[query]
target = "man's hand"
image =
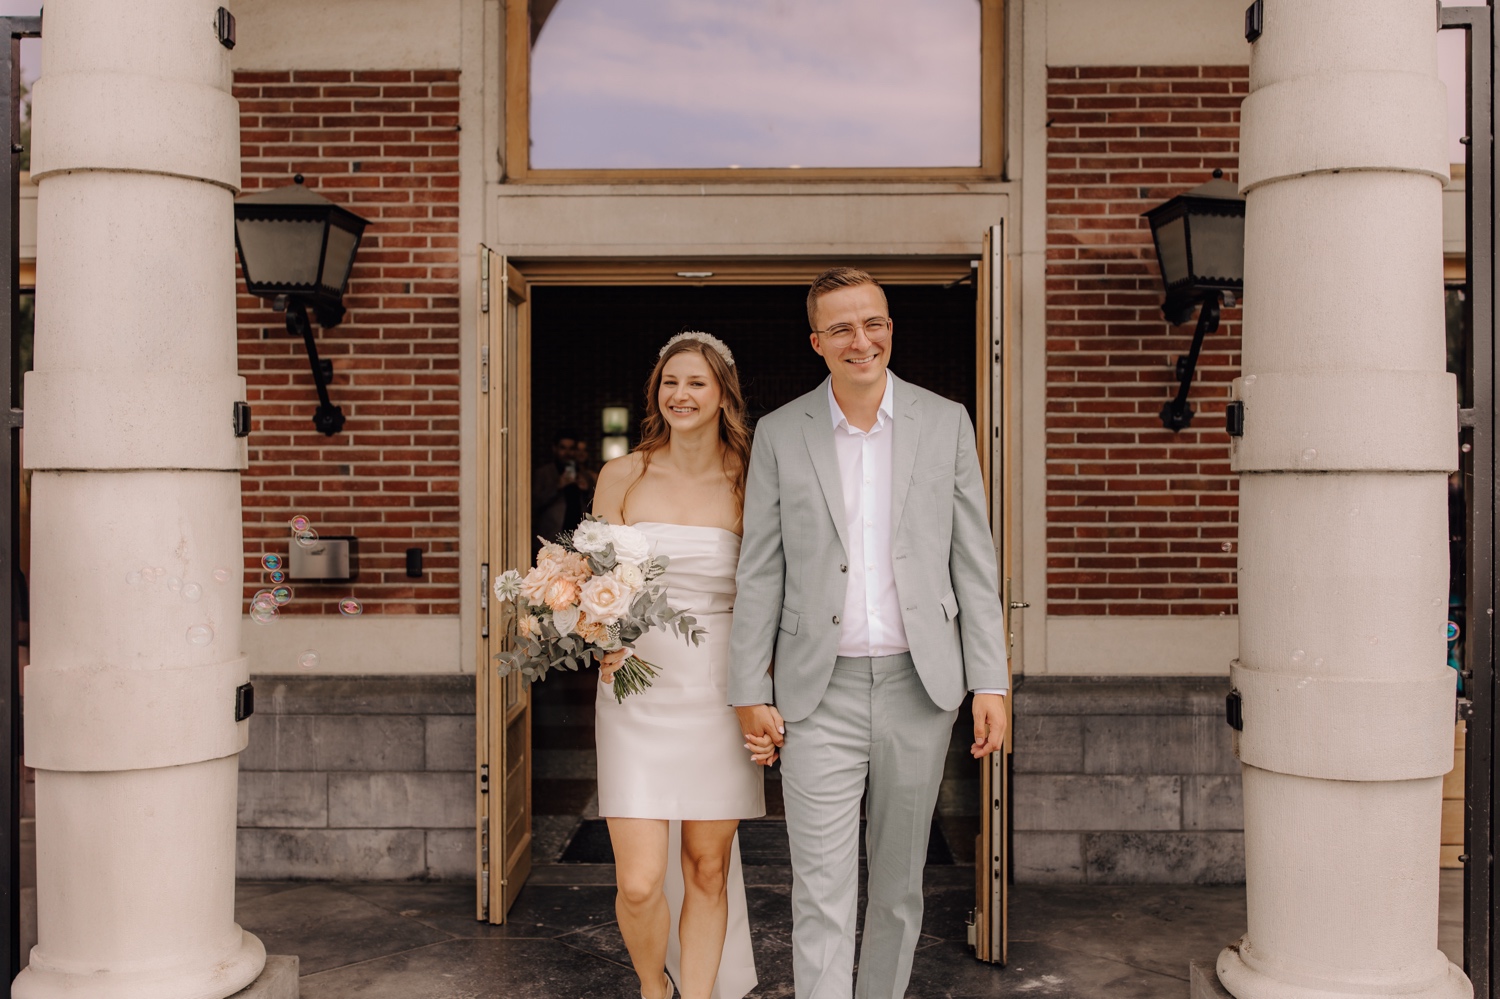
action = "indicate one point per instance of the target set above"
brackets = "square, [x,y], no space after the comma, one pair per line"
[764,731]
[989,724]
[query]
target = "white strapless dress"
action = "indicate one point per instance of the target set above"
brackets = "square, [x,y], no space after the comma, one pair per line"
[675,750]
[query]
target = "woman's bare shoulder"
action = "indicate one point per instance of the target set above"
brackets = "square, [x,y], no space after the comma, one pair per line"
[617,472]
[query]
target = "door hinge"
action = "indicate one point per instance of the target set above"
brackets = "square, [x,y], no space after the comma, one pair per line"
[484,284]
[484,778]
[972,928]
[484,368]
[484,600]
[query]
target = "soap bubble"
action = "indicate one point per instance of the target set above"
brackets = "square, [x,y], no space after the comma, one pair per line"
[300,523]
[174,584]
[1466,448]
[1374,639]
[1354,511]
[1309,454]
[308,660]
[349,607]
[271,561]
[191,592]
[307,538]
[263,599]
[221,575]
[1249,380]
[263,615]
[278,576]
[1227,546]
[1298,656]
[282,595]
[134,577]
[158,572]
[200,634]
[1318,661]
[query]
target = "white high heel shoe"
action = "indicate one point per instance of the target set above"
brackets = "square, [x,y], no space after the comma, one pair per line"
[671,990]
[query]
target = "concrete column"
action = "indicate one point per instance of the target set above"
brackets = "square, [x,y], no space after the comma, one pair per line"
[130,695]
[1350,432]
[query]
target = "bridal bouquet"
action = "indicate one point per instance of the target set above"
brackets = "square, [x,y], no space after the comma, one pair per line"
[590,593]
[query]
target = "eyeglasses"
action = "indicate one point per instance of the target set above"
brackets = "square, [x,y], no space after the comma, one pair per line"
[876,329]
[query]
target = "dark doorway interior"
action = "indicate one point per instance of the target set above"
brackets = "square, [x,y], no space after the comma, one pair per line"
[593,347]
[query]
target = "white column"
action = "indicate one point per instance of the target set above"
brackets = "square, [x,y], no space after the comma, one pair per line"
[130,695]
[1350,432]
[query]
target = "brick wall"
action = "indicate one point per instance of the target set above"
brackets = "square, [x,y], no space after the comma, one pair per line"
[385,145]
[1140,520]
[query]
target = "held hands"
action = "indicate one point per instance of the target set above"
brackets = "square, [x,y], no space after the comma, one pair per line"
[764,730]
[989,724]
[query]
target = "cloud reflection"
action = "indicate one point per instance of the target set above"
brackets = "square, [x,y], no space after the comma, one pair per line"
[756,83]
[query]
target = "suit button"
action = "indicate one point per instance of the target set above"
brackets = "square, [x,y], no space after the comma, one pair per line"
[835,619]
[843,568]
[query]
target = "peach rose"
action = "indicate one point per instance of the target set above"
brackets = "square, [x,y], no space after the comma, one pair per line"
[534,584]
[529,626]
[605,598]
[593,632]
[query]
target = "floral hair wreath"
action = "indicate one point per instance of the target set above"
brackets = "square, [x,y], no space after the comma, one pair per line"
[701,337]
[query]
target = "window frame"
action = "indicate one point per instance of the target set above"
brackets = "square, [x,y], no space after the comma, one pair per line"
[516,166]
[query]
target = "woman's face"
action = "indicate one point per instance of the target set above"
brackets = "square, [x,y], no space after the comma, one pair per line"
[689,396]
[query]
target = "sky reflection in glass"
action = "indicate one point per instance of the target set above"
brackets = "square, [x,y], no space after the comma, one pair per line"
[756,83]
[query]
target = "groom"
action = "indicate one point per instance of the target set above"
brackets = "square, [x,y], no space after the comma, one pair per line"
[867,573]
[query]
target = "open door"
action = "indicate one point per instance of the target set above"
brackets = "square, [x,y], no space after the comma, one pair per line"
[502,706]
[988,930]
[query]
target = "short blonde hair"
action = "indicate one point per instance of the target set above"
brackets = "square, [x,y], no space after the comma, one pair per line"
[832,280]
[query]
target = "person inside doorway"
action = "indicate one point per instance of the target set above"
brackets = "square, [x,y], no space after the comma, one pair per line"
[563,488]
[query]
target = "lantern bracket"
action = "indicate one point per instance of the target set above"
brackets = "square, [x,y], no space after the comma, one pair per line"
[329,419]
[1176,414]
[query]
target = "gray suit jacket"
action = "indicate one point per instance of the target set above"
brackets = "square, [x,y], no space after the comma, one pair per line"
[793,573]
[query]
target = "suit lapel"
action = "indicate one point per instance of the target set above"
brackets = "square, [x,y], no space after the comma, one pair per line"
[818,431]
[904,452]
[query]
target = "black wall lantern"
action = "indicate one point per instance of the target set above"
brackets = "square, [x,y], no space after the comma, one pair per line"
[1200,246]
[297,248]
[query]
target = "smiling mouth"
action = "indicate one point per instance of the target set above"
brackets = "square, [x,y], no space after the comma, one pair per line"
[683,410]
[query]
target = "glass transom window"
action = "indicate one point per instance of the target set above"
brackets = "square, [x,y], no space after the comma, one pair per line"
[755,84]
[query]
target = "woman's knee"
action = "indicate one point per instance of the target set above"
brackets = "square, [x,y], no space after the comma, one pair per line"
[638,888]
[706,873]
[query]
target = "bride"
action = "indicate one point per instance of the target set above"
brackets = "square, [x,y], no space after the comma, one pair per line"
[674,775]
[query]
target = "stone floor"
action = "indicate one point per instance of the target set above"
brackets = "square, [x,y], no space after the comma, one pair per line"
[420,941]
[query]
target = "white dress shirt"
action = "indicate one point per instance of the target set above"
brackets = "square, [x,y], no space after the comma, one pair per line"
[870,624]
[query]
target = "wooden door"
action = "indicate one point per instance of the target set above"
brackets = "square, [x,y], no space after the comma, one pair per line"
[993,402]
[502,706]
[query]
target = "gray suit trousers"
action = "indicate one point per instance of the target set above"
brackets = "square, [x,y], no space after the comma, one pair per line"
[876,723]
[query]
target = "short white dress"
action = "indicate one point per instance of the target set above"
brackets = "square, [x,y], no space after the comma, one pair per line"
[675,750]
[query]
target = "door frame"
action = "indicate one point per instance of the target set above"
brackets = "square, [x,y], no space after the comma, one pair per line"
[993,402]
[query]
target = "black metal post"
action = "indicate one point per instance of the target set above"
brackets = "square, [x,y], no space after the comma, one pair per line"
[1177,414]
[15,28]
[329,419]
[1477,429]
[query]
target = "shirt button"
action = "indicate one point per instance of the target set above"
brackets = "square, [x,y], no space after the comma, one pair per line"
[835,619]
[843,568]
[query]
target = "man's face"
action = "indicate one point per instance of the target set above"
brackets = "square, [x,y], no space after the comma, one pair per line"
[860,363]
[566,450]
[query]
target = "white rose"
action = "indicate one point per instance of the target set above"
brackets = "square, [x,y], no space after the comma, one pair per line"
[592,536]
[605,598]
[566,620]
[630,544]
[630,577]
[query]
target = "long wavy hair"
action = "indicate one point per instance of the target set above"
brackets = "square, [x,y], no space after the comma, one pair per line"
[734,428]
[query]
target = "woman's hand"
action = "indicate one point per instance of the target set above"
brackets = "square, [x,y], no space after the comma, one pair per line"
[762,749]
[611,662]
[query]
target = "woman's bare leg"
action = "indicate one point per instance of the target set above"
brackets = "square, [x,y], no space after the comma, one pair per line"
[640,905]
[705,903]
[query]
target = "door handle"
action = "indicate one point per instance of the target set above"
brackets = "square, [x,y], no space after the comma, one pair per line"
[1019,605]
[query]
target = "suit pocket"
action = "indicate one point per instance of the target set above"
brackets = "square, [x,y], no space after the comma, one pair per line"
[789,621]
[950,607]
[931,472]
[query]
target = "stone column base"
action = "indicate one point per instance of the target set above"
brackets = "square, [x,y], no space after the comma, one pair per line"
[1202,976]
[277,981]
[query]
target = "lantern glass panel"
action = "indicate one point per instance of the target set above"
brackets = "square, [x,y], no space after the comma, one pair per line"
[1219,247]
[280,252]
[340,258]
[1171,250]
